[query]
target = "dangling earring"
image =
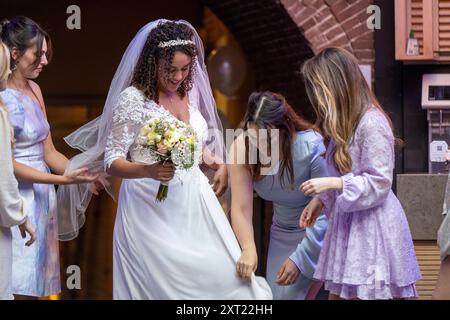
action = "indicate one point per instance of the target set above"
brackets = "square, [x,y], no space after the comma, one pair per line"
[14,68]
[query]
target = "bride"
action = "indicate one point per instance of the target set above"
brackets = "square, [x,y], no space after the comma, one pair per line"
[182,247]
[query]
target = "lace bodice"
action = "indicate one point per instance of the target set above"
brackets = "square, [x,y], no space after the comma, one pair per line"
[131,113]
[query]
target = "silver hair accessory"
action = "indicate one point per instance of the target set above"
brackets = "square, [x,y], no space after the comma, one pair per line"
[258,111]
[173,43]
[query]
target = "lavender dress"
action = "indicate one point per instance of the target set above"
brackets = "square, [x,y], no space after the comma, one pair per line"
[35,270]
[368,251]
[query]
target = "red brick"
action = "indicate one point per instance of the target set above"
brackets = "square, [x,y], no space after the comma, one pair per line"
[304,13]
[362,44]
[318,4]
[323,14]
[340,41]
[351,23]
[364,54]
[338,6]
[357,31]
[288,3]
[308,24]
[328,24]
[351,11]
[335,32]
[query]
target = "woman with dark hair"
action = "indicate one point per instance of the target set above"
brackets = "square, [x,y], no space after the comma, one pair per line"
[295,150]
[35,268]
[182,247]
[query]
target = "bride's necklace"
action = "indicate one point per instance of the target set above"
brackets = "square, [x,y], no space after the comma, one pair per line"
[171,100]
[171,108]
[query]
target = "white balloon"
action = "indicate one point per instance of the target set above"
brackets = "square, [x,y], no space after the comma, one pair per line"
[227,69]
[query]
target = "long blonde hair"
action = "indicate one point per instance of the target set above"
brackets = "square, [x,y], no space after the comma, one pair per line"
[4,64]
[340,96]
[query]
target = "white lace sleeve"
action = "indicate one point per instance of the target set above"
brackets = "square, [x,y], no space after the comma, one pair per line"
[128,117]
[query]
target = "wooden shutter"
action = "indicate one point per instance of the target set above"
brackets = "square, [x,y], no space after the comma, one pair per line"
[417,16]
[416,21]
[443,26]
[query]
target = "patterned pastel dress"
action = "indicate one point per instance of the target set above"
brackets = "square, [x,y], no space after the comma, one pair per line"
[35,270]
[368,251]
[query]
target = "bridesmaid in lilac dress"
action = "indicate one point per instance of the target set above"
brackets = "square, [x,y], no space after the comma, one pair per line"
[35,270]
[368,251]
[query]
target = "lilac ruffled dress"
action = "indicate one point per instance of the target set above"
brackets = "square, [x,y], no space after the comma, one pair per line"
[368,252]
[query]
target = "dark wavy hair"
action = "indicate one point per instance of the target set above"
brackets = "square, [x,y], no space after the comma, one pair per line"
[271,110]
[23,33]
[145,76]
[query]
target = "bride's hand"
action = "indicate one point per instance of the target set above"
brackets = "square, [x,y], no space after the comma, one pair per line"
[247,263]
[220,180]
[159,171]
[79,176]
[101,183]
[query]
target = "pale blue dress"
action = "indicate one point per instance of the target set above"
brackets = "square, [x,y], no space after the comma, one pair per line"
[287,240]
[35,270]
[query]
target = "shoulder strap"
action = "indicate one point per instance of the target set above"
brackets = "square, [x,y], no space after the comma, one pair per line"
[41,103]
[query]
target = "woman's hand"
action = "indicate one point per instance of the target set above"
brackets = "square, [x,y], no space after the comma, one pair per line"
[247,263]
[162,172]
[101,183]
[28,228]
[310,213]
[79,176]
[220,180]
[288,273]
[319,185]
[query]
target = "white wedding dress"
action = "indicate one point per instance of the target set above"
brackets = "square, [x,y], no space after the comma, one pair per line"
[184,247]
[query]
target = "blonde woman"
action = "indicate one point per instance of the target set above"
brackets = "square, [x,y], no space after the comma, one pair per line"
[12,209]
[368,251]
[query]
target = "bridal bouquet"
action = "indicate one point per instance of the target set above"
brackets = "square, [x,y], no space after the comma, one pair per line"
[171,141]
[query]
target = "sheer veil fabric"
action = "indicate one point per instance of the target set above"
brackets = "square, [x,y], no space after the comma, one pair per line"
[90,139]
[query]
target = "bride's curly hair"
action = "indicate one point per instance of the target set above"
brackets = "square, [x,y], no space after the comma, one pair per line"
[145,76]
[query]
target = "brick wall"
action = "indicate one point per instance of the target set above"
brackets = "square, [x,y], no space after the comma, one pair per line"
[335,23]
[277,36]
[273,43]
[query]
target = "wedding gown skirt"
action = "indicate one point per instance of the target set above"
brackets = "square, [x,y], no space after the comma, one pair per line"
[182,248]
